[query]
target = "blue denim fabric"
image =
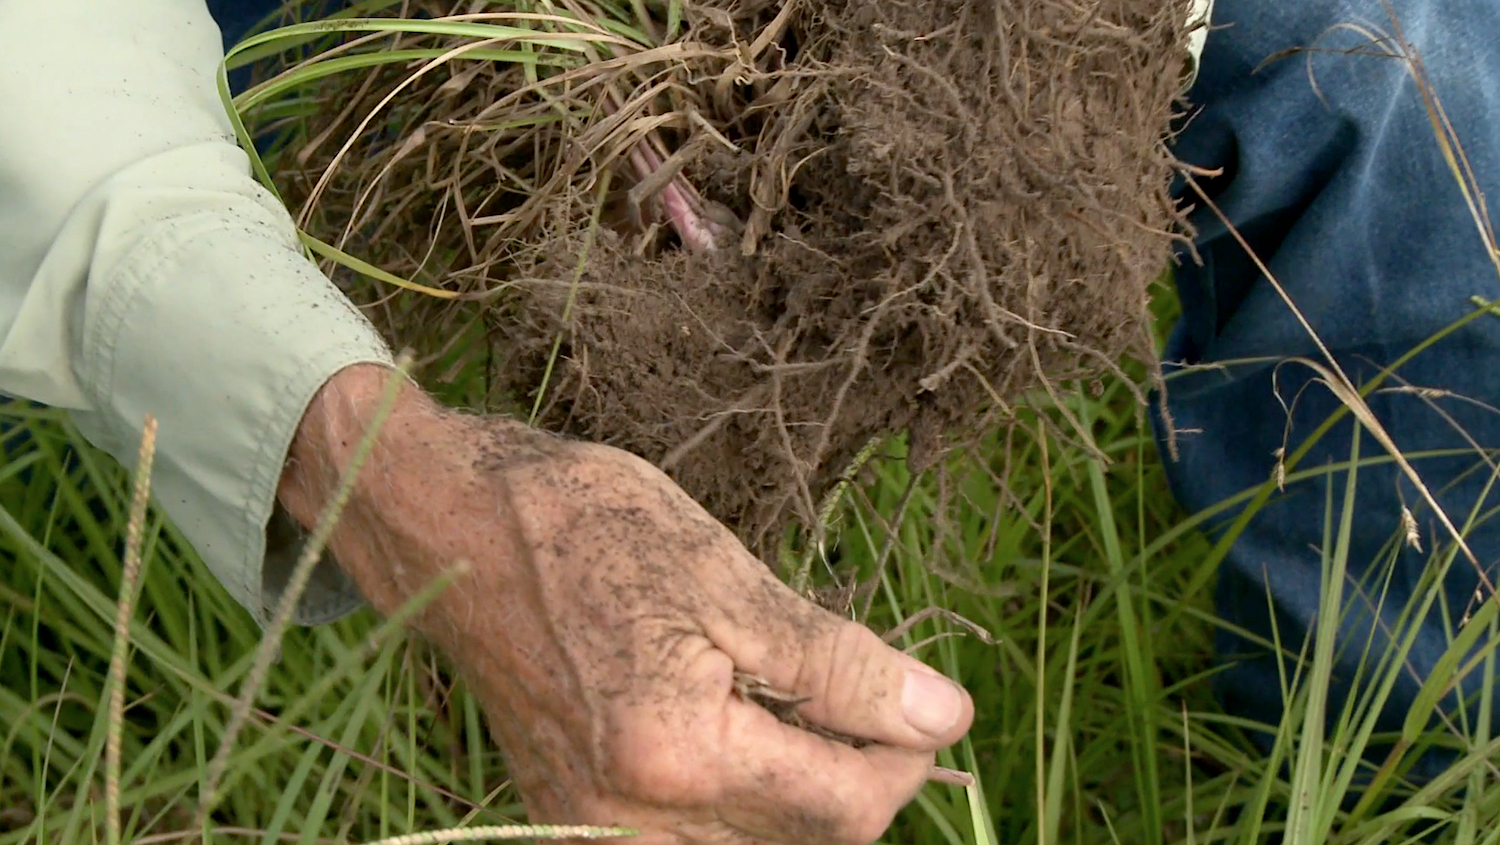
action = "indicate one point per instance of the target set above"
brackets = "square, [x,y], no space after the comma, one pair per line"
[236,17]
[1333,174]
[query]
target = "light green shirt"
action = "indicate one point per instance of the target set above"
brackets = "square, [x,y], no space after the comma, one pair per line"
[143,271]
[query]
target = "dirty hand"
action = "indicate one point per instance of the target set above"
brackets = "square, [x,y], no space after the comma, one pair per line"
[601,622]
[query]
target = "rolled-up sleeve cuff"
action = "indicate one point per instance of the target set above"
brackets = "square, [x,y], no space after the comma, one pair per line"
[213,321]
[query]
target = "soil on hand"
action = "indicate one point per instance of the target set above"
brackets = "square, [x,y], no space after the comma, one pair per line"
[925,209]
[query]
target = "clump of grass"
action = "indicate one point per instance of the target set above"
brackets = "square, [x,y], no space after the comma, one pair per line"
[471,153]
[1095,724]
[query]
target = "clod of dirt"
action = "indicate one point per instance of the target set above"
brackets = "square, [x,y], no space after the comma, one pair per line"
[931,207]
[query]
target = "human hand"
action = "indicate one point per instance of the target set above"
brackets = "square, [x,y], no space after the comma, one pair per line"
[602,622]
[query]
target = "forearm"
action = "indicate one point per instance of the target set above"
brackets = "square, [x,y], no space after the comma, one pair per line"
[415,500]
[385,491]
[337,418]
[435,492]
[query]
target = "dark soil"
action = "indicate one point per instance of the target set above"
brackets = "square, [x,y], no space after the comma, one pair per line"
[933,208]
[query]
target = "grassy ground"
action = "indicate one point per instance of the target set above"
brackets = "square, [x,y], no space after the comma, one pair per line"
[1095,722]
[360,739]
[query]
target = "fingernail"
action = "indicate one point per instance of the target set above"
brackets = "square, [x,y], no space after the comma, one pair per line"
[931,703]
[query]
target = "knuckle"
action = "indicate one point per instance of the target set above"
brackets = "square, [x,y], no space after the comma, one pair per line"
[655,767]
[879,802]
[858,823]
[870,826]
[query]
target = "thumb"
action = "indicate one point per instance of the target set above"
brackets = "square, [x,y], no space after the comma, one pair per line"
[852,682]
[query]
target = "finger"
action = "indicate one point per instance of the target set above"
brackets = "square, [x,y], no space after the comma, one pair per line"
[788,785]
[707,768]
[852,682]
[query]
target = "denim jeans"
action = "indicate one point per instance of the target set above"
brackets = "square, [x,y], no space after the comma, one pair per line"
[236,17]
[1332,173]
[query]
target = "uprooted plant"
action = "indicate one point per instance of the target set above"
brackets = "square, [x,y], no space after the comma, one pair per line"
[744,239]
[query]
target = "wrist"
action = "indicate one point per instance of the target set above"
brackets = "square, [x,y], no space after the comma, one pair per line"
[420,497]
[330,432]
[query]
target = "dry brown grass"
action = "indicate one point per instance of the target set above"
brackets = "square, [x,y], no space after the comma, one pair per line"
[746,252]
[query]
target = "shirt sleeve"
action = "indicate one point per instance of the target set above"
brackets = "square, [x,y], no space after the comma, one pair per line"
[143,271]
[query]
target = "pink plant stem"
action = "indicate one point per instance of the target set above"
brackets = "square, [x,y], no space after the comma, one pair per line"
[681,202]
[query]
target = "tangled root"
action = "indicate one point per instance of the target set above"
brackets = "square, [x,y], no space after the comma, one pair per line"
[918,211]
